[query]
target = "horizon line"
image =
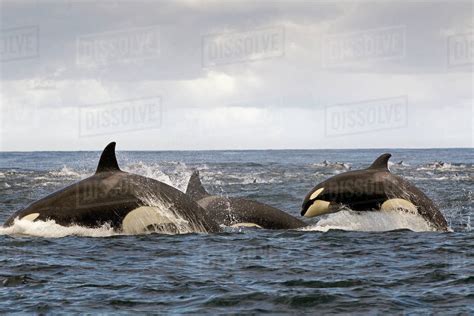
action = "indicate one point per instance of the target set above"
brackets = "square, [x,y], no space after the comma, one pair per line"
[230,149]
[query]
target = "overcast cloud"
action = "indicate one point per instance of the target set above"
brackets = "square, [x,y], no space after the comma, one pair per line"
[157,75]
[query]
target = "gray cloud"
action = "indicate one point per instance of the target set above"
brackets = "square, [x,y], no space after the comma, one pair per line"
[286,93]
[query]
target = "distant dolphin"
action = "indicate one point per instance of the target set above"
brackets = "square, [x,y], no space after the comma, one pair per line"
[122,200]
[374,188]
[240,212]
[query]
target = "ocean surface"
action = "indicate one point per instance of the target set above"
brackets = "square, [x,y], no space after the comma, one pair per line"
[347,262]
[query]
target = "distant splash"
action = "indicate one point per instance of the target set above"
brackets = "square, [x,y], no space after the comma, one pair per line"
[177,177]
[401,163]
[177,173]
[334,165]
[371,222]
[219,179]
[444,166]
[67,172]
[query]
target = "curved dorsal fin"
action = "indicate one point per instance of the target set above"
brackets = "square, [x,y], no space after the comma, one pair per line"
[381,162]
[195,188]
[108,161]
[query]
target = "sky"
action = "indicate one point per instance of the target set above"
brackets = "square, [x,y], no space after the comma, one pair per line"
[205,75]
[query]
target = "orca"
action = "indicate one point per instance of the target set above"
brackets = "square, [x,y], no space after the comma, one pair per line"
[239,212]
[129,203]
[374,188]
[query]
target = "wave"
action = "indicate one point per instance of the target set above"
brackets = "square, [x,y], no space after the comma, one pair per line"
[371,222]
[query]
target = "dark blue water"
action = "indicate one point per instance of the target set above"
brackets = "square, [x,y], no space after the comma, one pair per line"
[342,264]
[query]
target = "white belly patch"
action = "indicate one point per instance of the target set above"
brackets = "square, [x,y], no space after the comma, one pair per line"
[319,207]
[140,219]
[237,225]
[399,204]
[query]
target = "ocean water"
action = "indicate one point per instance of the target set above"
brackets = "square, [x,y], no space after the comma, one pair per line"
[341,263]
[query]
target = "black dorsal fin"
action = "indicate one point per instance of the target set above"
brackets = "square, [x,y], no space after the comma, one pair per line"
[195,188]
[108,161]
[381,162]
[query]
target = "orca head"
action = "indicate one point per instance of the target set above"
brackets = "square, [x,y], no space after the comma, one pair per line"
[352,188]
[321,200]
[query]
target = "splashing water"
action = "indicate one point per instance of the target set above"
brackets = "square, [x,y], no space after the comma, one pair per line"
[67,172]
[49,229]
[371,221]
[178,178]
[175,224]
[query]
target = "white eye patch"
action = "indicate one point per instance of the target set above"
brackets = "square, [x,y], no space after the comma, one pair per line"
[30,217]
[316,193]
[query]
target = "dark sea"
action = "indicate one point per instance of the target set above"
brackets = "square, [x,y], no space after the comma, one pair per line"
[343,263]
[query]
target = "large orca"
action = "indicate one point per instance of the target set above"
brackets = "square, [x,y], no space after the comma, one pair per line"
[374,188]
[240,212]
[127,202]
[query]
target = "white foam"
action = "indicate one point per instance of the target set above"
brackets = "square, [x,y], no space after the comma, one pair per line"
[335,165]
[371,222]
[445,166]
[50,229]
[216,178]
[66,172]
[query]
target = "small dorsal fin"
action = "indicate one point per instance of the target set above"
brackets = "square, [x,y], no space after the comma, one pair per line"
[108,161]
[195,188]
[381,162]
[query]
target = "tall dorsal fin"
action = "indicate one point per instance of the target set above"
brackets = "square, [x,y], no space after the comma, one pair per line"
[195,188]
[108,161]
[381,162]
